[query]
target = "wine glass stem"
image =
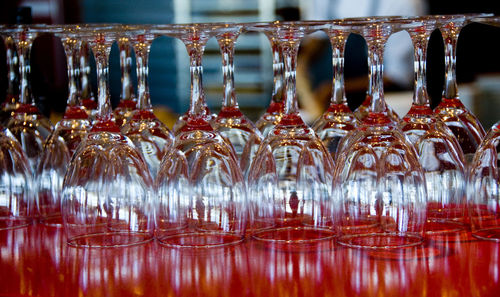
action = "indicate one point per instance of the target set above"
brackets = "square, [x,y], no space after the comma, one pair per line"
[227,48]
[338,46]
[12,68]
[376,69]
[70,47]
[450,87]
[85,91]
[24,51]
[197,105]
[420,55]
[290,50]
[103,106]
[142,55]
[277,95]
[126,69]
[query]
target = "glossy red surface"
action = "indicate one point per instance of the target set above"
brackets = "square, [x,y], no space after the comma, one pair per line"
[35,261]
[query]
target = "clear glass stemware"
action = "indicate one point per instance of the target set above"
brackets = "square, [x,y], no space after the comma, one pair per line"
[338,119]
[484,180]
[274,112]
[289,179]
[107,190]
[66,136]
[17,200]
[439,152]
[128,100]
[27,124]
[231,123]
[151,137]
[379,185]
[84,86]
[464,124]
[12,96]
[201,193]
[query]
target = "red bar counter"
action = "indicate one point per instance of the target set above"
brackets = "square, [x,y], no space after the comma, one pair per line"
[35,261]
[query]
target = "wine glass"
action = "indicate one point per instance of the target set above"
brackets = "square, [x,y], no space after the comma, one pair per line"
[107,189]
[290,178]
[274,112]
[66,136]
[205,111]
[128,100]
[484,181]
[17,203]
[378,185]
[12,96]
[364,109]
[27,124]
[465,125]
[84,86]
[151,137]
[201,193]
[338,119]
[231,123]
[439,152]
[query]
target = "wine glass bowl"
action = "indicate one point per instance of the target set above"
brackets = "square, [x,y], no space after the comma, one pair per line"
[17,201]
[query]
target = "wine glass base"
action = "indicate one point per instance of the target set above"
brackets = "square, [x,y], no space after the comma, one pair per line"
[491,234]
[200,240]
[380,240]
[52,221]
[294,235]
[110,239]
[14,223]
[443,227]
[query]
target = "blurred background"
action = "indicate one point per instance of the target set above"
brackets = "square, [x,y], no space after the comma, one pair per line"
[478,61]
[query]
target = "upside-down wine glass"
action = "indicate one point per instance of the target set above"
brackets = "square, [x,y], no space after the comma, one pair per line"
[12,96]
[84,86]
[205,111]
[274,112]
[484,178]
[151,137]
[338,119]
[201,193]
[27,124]
[290,178]
[379,185]
[231,123]
[66,136]
[439,152]
[107,189]
[364,109]
[465,125]
[128,101]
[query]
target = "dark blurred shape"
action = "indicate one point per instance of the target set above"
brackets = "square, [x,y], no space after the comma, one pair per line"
[23,15]
[288,13]
[477,47]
